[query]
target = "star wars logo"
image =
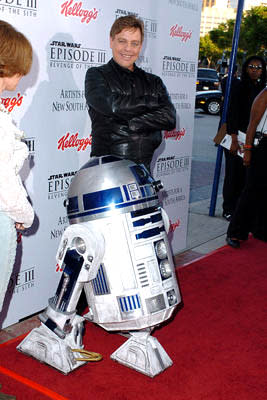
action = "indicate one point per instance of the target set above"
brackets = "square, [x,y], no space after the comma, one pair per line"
[123,13]
[172,165]
[176,67]
[150,25]
[58,231]
[72,55]
[25,8]
[190,5]
[69,101]
[22,281]
[173,196]
[58,185]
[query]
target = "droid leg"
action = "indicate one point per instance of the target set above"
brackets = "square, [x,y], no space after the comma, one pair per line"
[60,331]
[143,353]
[46,346]
[59,338]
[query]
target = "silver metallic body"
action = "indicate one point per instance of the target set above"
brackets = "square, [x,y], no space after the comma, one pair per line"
[116,249]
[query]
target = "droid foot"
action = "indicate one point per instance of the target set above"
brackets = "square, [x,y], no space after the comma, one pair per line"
[47,347]
[143,353]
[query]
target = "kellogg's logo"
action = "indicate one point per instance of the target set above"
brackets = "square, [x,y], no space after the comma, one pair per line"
[174,134]
[10,103]
[174,225]
[77,11]
[69,141]
[177,31]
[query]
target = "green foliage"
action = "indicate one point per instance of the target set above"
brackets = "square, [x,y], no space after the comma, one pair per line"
[252,39]
[255,31]
[208,50]
[223,35]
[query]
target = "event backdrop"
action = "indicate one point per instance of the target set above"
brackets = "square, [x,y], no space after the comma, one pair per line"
[68,37]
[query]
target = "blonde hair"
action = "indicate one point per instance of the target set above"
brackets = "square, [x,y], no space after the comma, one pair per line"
[15,51]
[128,22]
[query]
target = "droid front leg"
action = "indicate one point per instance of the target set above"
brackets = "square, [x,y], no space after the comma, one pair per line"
[59,338]
[143,353]
[61,328]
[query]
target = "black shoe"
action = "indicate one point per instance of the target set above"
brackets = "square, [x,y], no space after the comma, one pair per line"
[233,242]
[227,216]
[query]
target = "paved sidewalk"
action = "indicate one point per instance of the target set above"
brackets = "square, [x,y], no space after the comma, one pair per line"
[205,234]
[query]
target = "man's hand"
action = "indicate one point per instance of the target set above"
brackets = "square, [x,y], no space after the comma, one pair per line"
[247,158]
[234,146]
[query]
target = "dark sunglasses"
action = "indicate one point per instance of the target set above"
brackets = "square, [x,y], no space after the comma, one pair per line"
[251,66]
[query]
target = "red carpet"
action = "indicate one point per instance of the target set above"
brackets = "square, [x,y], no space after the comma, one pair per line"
[217,342]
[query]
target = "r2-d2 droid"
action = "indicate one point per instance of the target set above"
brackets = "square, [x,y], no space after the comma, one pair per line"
[116,249]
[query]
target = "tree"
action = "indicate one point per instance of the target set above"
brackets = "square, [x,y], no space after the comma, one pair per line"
[208,50]
[223,35]
[253,33]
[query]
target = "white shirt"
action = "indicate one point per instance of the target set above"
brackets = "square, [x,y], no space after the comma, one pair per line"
[262,127]
[13,152]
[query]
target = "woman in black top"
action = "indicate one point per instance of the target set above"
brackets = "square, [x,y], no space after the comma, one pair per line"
[253,80]
[251,213]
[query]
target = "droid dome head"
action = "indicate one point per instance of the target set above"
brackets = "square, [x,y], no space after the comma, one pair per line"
[109,185]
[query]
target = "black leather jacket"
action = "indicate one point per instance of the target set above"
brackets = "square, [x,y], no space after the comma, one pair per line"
[128,110]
